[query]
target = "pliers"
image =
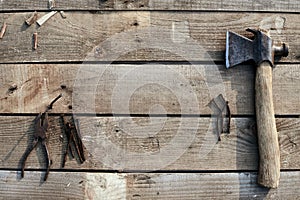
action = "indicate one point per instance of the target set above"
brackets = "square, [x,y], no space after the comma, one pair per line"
[41,126]
[74,143]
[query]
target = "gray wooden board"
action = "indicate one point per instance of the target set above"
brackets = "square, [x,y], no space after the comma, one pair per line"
[62,185]
[140,89]
[138,36]
[203,5]
[148,144]
[111,186]
[209,186]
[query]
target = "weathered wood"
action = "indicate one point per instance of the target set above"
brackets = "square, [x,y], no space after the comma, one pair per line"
[269,153]
[209,186]
[107,186]
[124,143]
[62,185]
[29,88]
[233,5]
[138,35]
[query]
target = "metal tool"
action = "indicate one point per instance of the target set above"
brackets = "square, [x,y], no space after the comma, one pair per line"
[221,110]
[261,50]
[41,126]
[74,143]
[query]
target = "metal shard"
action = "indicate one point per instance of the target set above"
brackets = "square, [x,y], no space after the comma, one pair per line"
[238,49]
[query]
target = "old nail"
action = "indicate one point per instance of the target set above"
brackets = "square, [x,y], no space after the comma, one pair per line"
[32,19]
[49,107]
[3,30]
[35,41]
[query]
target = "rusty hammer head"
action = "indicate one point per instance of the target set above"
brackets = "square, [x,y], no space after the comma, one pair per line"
[240,49]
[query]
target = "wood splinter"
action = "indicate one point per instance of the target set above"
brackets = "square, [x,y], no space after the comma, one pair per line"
[35,41]
[3,30]
[45,18]
[32,19]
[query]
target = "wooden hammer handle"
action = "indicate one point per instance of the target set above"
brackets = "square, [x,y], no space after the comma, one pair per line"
[269,153]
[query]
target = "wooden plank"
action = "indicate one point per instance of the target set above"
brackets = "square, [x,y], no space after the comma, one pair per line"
[123,143]
[138,36]
[138,89]
[203,5]
[106,186]
[209,186]
[62,185]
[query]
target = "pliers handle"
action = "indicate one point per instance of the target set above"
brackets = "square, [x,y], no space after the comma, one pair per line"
[41,126]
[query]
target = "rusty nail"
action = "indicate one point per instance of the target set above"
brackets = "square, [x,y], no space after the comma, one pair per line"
[35,41]
[32,18]
[3,30]
[52,102]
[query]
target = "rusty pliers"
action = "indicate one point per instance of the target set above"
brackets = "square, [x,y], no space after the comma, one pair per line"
[41,126]
[74,142]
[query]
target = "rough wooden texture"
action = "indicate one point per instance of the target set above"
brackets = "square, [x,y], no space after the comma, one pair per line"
[269,153]
[124,143]
[138,35]
[62,185]
[232,5]
[209,186]
[29,88]
[111,186]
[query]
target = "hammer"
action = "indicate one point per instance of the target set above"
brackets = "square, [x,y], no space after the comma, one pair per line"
[261,50]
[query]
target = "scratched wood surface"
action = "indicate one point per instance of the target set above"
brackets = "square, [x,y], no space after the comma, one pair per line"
[138,36]
[29,88]
[203,5]
[131,144]
[62,185]
[107,186]
[133,33]
[202,186]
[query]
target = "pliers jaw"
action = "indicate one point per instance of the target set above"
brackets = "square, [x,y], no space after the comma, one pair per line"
[41,127]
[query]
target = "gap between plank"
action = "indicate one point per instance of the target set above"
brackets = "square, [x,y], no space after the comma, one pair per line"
[148,10]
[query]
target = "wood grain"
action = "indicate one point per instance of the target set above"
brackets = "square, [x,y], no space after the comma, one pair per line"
[62,185]
[29,88]
[107,186]
[203,5]
[209,186]
[269,153]
[138,36]
[123,143]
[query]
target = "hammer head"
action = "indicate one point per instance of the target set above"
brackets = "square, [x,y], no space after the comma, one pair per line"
[240,49]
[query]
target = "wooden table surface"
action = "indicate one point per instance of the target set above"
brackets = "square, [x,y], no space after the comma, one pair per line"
[139,76]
